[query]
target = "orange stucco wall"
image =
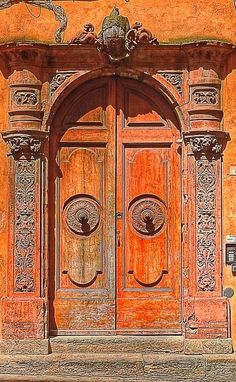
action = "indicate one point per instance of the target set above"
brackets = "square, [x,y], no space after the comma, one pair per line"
[171,21]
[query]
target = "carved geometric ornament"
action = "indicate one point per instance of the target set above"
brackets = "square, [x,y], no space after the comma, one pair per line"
[116,38]
[82,215]
[147,215]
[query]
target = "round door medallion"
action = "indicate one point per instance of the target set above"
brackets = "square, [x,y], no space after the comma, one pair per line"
[148,215]
[82,215]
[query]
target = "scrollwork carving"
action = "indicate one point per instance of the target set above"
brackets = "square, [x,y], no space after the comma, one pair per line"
[176,79]
[205,96]
[58,79]
[116,38]
[24,226]
[206,224]
[22,98]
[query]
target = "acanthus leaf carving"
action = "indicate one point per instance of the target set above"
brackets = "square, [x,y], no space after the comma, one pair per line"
[205,96]
[25,144]
[206,143]
[22,98]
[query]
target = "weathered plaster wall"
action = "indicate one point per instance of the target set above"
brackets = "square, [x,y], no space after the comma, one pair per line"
[170,20]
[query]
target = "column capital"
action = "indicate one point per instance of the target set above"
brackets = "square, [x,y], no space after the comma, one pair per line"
[206,143]
[25,144]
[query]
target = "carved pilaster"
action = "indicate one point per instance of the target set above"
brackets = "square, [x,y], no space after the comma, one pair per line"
[26,148]
[206,147]
[24,260]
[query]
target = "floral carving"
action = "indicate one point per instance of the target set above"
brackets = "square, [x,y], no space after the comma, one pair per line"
[147,215]
[29,98]
[205,97]
[82,215]
[206,224]
[24,226]
[117,38]
[176,79]
[58,79]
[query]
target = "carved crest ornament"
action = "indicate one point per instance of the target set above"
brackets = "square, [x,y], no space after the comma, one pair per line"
[116,38]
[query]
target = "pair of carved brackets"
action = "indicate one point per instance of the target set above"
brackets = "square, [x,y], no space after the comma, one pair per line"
[58,11]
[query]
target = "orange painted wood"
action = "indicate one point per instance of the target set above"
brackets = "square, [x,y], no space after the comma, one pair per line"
[116,140]
[148,165]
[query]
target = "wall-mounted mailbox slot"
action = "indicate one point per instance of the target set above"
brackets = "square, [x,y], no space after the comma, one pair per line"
[230,251]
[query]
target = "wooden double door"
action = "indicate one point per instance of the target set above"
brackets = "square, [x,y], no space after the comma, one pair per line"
[114,207]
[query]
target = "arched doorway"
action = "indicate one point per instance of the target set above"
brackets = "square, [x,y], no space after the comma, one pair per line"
[115,211]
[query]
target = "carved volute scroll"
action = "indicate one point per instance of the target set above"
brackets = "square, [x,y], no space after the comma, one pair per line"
[25,148]
[206,148]
[116,38]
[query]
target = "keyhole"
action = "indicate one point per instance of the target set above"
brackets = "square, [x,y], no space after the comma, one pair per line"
[148,220]
[83,219]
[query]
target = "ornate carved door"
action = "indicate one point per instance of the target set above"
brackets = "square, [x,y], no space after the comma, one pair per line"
[115,212]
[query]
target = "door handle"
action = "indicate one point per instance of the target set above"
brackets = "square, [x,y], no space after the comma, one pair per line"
[118,238]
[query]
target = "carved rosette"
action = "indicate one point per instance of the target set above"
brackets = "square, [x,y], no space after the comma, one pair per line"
[82,215]
[147,215]
[206,148]
[25,148]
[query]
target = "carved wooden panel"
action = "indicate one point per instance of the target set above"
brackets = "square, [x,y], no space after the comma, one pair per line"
[83,219]
[148,196]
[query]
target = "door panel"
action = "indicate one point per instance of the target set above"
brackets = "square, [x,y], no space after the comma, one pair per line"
[83,186]
[148,197]
[114,155]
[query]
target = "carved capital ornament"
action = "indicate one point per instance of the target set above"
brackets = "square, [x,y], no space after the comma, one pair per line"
[209,143]
[25,144]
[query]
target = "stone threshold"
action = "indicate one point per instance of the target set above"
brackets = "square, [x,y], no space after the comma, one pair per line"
[118,367]
[116,344]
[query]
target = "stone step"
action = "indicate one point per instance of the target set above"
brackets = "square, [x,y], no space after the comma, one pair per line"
[117,344]
[123,367]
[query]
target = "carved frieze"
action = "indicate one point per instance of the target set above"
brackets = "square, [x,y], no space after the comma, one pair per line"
[58,11]
[25,98]
[176,79]
[58,79]
[208,96]
[116,38]
[26,144]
